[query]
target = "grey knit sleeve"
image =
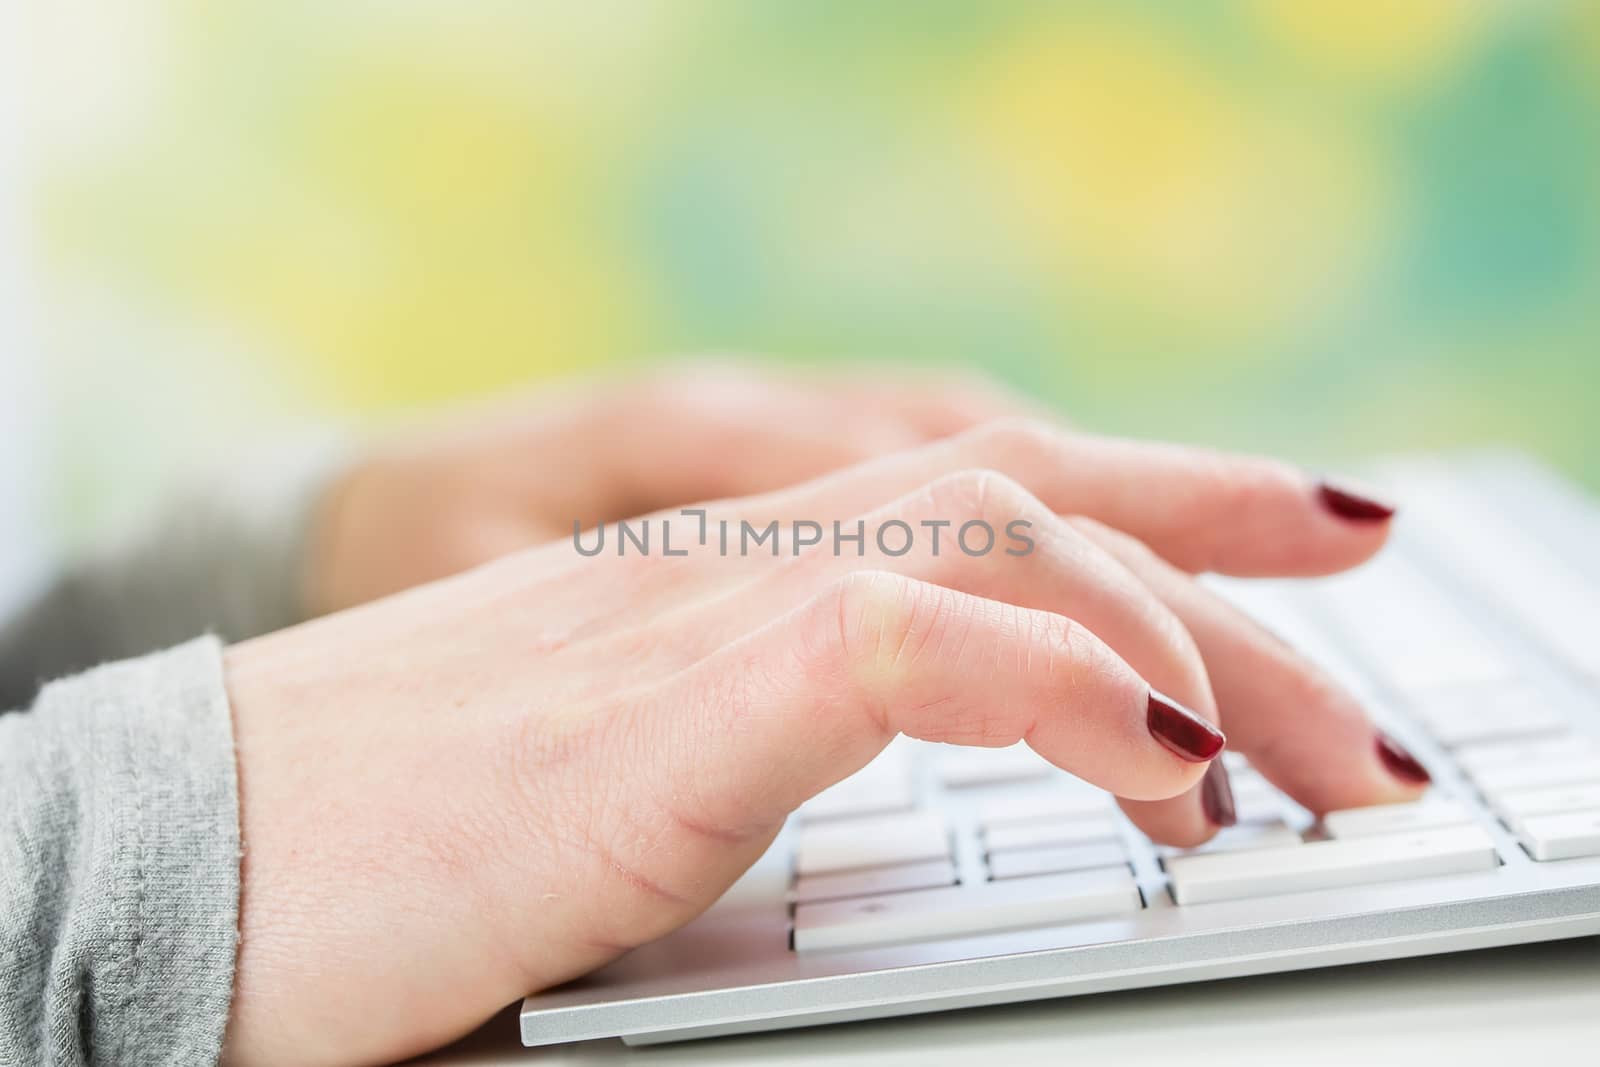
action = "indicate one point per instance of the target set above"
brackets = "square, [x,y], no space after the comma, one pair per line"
[119,865]
[223,557]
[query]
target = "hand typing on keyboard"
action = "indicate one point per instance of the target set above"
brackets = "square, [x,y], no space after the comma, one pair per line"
[500,781]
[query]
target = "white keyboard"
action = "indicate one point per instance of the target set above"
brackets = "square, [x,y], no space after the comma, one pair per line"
[941,877]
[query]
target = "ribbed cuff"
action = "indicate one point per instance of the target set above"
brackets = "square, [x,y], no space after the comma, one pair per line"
[145,936]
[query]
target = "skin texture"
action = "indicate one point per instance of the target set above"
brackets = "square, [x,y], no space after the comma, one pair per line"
[500,780]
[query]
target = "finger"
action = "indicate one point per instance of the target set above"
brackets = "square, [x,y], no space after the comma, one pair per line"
[1299,727]
[1061,572]
[719,754]
[1200,510]
[745,736]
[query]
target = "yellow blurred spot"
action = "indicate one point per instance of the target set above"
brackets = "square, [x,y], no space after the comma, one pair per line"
[426,243]
[1586,43]
[1182,212]
[1380,43]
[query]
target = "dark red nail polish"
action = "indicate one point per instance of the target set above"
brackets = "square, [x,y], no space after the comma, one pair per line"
[1182,731]
[1349,504]
[1402,764]
[1216,795]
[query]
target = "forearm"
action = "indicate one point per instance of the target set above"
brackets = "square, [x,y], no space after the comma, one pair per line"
[225,557]
[119,876]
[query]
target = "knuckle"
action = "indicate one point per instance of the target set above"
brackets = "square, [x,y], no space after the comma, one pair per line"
[1069,645]
[885,624]
[1084,664]
[1019,439]
[981,493]
[873,609]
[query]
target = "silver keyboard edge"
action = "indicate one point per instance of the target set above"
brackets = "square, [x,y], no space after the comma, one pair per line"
[1421,930]
[1240,967]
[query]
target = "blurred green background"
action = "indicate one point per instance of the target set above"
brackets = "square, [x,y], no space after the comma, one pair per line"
[1323,229]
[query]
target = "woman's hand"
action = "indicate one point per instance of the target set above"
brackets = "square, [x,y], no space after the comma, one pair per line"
[500,781]
[438,502]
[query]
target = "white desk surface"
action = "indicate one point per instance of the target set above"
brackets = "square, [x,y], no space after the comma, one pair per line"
[1515,1007]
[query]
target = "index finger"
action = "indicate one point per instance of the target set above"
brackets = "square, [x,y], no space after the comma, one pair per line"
[1200,510]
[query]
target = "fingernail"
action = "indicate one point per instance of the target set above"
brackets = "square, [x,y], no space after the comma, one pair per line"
[1216,795]
[1347,503]
[1182,731]
[1402,764]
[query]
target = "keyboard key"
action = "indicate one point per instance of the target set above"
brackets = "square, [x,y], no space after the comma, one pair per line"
[1409,630]
[1025,864]
[1505,779]
[882,786]
[1277,606]
[1473,723]
[870,796]
[1512,699]
[873,880]
[1036,805]
[1524,803]
[873,841]
[1266,833]
[1257,800]
[1550,597]
[1395,818]
[1330,864]
[1562,837]
[961,911]
[960,767]
[1541,750]
[1046,834]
